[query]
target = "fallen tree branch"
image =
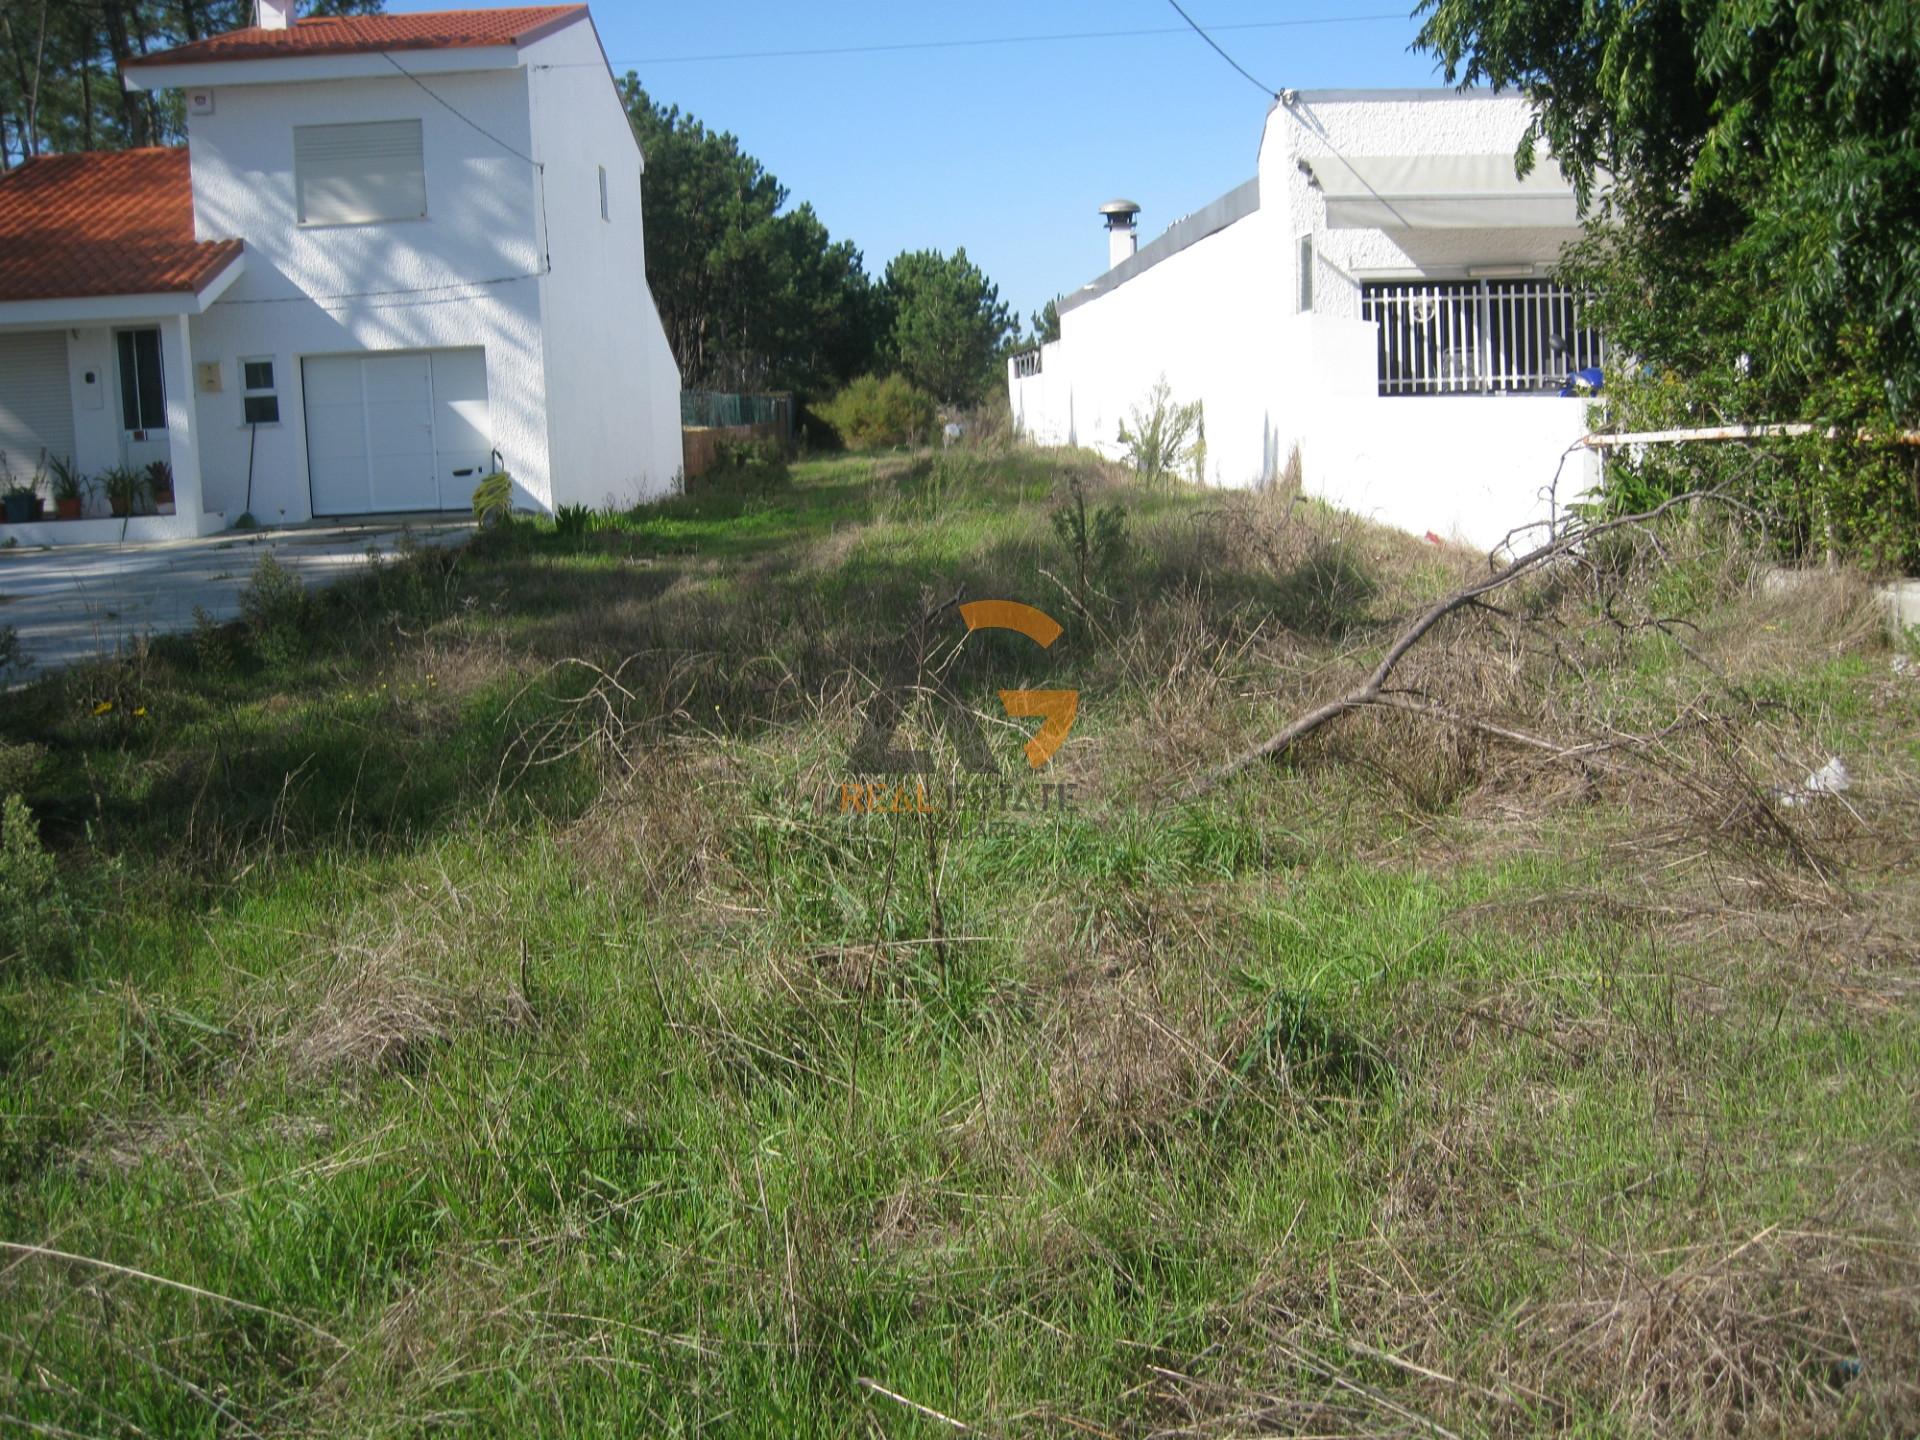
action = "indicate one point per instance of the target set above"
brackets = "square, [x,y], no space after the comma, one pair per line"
[1372,690]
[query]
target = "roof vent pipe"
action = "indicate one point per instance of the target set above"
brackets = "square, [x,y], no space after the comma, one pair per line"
[273,14]
[1122,239]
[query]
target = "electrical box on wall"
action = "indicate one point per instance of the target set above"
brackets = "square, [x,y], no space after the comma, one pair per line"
[199,102]
[209,373]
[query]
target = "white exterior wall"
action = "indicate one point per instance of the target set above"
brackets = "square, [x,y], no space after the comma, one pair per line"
[612,387]
[1220,320]
[1202,320]
[482,225]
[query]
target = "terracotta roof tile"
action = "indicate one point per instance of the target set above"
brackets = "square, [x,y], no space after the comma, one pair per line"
[358,34]
[103,223]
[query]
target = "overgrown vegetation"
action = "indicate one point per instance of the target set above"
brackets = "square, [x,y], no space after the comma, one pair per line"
[879,410]
[1164,439]
[1756,254]
[477,1009]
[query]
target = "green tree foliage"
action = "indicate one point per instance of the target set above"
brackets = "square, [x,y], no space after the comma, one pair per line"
[60,64]
[1046,323]
[1759,254]
[949,327]
[754,296]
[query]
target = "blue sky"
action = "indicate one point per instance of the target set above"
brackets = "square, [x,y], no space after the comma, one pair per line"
[1005,149]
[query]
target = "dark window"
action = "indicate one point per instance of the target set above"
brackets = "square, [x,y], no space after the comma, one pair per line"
[143,393]
[259,404]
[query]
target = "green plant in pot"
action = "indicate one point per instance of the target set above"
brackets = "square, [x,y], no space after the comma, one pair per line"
[123,486]
[160,483]
[70,489]
[18,502]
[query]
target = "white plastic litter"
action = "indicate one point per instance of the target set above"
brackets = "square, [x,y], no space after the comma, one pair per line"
[1903,665]
[1830,779]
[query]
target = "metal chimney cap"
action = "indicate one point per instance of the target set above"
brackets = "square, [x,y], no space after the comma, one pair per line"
[1119,207]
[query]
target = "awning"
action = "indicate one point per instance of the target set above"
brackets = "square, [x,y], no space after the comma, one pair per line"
[1442,192]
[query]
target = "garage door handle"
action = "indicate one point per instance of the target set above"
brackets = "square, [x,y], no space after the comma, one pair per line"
[468,471]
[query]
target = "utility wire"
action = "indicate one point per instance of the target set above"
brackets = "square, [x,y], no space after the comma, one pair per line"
[539,170]
[1266,90]
[304,299]
[909,45]
[460,114]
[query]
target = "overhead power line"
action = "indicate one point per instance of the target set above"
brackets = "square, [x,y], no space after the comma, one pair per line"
[1267,90]
[1055,38]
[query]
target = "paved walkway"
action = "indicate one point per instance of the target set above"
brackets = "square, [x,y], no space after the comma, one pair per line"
[75,602]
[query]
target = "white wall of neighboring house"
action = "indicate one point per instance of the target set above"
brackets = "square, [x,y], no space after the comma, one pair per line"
[1221,321]
[612,388]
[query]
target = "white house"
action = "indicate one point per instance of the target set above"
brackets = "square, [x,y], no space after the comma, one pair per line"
[1377,297]
[397,253]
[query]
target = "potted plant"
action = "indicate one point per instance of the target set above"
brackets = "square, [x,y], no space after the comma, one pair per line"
[160,483]
[69,489]
[18,502]
[123,486]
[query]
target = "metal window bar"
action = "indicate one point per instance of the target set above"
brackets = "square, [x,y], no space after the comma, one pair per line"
[1026,364]
[1458,337]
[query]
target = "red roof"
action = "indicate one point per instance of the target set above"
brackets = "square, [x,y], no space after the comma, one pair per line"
[103,223]
[360,34]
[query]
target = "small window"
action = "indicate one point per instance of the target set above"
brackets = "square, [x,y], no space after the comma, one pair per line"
[260,398]
[1306,274]
[603,194]
[143,393]
[359,174]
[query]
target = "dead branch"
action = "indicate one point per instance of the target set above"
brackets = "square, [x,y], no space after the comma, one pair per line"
[1372,690]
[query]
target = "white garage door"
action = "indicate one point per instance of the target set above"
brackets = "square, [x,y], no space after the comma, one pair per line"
[36,401]
[406,431]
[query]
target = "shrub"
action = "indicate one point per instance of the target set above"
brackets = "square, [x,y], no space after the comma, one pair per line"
[36,919]
[1096,541]
[876,411]
[493,499]
[274,606]
[1166,438]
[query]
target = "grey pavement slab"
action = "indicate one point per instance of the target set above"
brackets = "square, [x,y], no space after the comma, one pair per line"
[76,602]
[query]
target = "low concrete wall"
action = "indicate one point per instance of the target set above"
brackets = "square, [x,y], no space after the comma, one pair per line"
[105,530]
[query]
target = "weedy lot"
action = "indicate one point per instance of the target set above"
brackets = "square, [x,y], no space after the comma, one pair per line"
[457,1000]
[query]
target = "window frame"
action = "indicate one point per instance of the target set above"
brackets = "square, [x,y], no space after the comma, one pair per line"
[126,345]
[269,391]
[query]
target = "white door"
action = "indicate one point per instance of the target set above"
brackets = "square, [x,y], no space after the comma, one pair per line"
[388,432]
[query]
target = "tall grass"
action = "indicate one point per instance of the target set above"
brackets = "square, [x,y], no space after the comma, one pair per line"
[474,1012]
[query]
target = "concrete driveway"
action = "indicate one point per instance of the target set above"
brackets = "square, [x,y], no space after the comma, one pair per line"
[81,601]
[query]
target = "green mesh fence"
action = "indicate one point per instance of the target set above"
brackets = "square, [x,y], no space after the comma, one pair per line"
[711,407]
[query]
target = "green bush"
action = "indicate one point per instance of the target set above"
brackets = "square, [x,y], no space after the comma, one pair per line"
[876,411]
[36,918]
[275,607]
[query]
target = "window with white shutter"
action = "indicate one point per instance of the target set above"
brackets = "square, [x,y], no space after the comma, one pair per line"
[360,173]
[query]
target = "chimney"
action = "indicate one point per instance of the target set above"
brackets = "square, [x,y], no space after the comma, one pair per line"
[1121,238]
[273,14]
